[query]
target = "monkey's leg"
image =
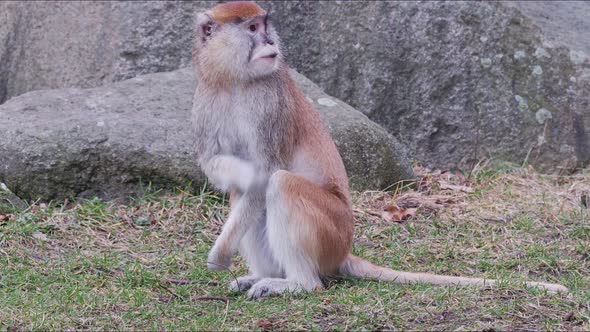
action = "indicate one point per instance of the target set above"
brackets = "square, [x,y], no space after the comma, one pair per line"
[309,231]
[248,209]
[245,282]
[255,249]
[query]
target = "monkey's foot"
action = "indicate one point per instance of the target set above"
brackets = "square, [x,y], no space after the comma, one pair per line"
[244,283]
[273,286]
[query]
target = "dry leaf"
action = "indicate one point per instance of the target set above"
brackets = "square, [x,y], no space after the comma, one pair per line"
[267,325]
[264,324]
[39,236]
[418,200]
[454,187]
[393,213]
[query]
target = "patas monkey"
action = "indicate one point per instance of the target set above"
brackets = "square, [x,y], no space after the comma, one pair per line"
[258,138]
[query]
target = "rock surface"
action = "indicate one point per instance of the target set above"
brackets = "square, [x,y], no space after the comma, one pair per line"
[103,141]
[89,43]
[9,202]
[455,81]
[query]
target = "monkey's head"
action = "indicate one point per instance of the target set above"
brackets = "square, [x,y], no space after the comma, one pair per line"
[235,42]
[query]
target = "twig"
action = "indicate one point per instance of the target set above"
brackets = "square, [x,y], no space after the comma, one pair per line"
[369,212]
[228,270]
[177,281]
[526,159]
[170,291]
[225,314]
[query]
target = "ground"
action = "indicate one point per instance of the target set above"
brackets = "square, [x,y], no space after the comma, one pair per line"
[141,265]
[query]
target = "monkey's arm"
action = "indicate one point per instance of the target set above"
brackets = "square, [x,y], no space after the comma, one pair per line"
[248,209]
[232,173]
[228,172]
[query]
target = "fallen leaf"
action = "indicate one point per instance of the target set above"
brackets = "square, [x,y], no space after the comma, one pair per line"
[39,236]
[427,202]
[395,214]
[454,187]
[3,217]
[264,324]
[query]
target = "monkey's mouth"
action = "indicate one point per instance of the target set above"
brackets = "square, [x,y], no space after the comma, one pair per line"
[271,56]
[265,53]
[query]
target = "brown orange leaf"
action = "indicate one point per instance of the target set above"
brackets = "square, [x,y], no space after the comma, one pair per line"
[264,324]
[396,214]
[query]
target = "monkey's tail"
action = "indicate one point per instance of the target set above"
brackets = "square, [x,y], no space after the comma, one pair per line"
[357,267]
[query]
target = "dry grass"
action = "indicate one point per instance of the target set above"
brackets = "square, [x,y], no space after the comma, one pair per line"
[105,265]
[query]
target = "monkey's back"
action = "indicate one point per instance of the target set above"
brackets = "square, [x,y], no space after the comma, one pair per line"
[315,144]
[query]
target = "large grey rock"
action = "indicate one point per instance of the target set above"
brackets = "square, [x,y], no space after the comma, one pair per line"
[89,43]
[455,81]
[104,141]
[562,25]
[9,202]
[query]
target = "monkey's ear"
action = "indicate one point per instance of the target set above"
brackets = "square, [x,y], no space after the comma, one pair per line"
[204,25]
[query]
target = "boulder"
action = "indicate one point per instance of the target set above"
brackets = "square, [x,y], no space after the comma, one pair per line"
[454,81]
[9,202]
[109,140]
[90,43]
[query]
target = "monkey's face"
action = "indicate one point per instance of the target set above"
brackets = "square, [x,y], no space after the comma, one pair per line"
[237,51]
[264,54]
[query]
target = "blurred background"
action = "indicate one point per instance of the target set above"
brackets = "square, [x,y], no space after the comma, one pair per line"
[453,82]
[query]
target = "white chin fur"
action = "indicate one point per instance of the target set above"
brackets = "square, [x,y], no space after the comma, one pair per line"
[261,63]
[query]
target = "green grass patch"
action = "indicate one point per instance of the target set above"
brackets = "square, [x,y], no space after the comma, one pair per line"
[141,265]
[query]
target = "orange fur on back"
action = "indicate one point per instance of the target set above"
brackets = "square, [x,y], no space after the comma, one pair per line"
[230,11]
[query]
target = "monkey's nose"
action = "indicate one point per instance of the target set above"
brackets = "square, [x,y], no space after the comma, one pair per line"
[267,40]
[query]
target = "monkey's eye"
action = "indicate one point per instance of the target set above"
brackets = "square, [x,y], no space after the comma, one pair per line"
[207,29]
[252,27]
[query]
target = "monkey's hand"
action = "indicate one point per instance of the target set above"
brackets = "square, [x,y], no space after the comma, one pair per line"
[227,172]
[218,259]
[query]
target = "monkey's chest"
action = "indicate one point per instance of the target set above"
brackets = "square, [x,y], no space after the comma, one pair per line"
[237,136]
[230,126]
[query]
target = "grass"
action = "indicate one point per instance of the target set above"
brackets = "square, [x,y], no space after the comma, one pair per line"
[141,265]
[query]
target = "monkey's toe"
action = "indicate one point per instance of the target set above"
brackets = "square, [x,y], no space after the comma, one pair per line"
[242,284]
[257,292]
[272,286]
